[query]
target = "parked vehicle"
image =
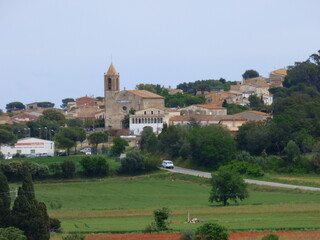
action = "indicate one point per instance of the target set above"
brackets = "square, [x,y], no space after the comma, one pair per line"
[167,164]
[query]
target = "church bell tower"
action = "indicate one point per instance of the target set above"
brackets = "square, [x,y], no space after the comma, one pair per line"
[111,90]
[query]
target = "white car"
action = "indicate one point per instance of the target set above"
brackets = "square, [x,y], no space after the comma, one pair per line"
[167,164]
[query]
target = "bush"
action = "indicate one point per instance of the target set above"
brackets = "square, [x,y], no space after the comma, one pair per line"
[211,231]
[187,235]
[242,168]
[55,225]
[55,169]
[271,236]
[12,233]
[76,236]
[160,221]
[133,162]
[152,163]
[68,168]
[94,166]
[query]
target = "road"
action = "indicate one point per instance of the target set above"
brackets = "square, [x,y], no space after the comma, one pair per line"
[250,181]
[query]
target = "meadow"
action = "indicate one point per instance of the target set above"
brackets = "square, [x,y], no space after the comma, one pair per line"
[126,205]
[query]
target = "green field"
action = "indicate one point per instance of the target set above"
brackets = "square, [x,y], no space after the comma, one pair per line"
[126,205]
[48,160]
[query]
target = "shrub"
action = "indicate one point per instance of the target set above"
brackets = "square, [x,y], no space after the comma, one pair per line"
[152,163]
[94,166]
[12,233]
[55,169]
[68,168]
[212,231]
[242,168]
[133,162]
[187,235]
[76,236]
[55,225]
[161,218]
[271,236]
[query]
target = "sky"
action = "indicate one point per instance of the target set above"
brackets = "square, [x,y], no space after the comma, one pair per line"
[56,49]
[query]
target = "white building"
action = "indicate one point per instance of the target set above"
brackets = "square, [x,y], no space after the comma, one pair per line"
[151,117]
[30,147]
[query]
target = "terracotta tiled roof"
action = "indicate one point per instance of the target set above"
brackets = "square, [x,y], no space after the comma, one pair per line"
[217,118]
[260,113]
[112,70]
[144,94]
[209,106]
[281,71]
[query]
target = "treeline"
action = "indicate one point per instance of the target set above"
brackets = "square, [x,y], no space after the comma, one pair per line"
[205,85]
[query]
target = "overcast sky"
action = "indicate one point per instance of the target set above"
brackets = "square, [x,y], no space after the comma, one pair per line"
[55,49]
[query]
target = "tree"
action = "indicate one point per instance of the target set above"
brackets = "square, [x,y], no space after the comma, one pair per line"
[119,145]
[68,168]
[12,233]
[65,102]
[45,104]
[148,141]
[97,137]
[211,146]
[133,162]
[75,122]
[6,137]
[227,185]
[81,135]
[5,200]
[211,231]
[161,217]
[14,106]
[53,115]
[126,119]
[250,74]
[28,214]
[94,166]
[256,103]
[66,138]
[292,151]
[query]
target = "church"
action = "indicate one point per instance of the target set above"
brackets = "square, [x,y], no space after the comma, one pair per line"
[118,103]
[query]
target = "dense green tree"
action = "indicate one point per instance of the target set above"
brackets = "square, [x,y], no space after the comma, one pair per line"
[97,138]
[126,119]
[119,145]
[65,102]
[53,115]
[183,100]
[211,231]
[161,217]
[6,137]
[211,146]
[211,85]
[14,106]
[235,108]
[28,214]
[172,138]
[292,151]
[75,122]
[227,185]
[145,134]
[81,135]
[254,137]
[133,162]
[5,201]
[12,233]
[256,103]
[45,104]
[94,166]
[250,74]
[66,138]
[68,168]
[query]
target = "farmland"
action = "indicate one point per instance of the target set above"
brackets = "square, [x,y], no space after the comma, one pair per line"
[126,205]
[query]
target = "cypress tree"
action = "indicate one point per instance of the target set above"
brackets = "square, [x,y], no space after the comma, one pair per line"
[27,185]
[5,201]
[28,214]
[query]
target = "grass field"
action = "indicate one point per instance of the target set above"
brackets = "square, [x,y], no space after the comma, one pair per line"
[56,159]
[126,205]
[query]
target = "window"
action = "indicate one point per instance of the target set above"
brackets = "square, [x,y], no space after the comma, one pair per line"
[109,83]
[145,113]
[32,151]
[151,112]
[19,151]
[124,108]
